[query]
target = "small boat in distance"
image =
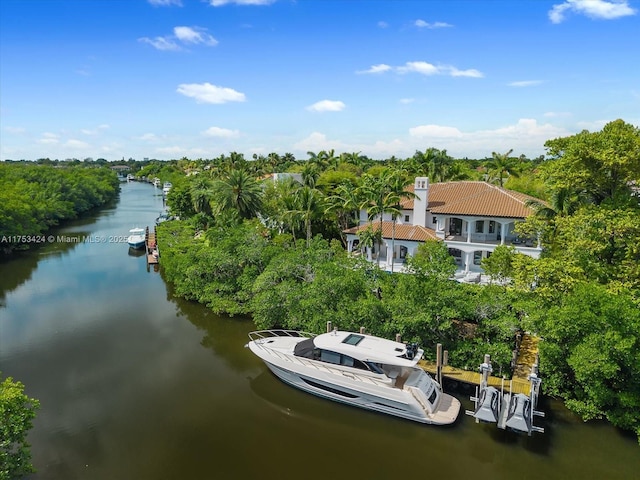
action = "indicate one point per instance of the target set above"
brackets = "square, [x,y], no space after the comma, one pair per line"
[136,238]
[166,187]
[357,369]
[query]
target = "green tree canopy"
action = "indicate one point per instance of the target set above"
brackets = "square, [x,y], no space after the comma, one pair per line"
[17,412]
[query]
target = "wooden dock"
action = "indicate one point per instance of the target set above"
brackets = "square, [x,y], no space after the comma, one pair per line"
[151,247]
[527,355]
[517,385]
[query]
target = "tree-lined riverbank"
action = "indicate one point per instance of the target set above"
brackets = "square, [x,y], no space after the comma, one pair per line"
[35,197]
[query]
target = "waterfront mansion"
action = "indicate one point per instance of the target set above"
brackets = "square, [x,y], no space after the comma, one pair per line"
[471,218]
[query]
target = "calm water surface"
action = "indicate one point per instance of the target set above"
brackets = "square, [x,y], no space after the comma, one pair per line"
[137,384]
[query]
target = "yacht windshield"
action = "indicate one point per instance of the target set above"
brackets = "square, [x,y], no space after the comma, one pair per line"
[353,339]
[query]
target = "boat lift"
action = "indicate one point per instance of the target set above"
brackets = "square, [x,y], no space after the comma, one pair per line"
[509,411]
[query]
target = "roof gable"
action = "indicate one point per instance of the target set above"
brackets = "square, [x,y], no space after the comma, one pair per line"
[474,199]
[415,233]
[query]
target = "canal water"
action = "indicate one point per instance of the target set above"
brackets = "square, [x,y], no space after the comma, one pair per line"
[137,384]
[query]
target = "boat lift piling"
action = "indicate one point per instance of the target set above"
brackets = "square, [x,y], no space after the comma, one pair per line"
[510,411]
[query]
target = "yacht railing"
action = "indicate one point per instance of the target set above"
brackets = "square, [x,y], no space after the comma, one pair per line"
[261,334]
[257,336]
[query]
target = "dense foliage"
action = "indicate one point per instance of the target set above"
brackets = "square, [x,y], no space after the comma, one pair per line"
[581,296]
[17,411]
[35,197]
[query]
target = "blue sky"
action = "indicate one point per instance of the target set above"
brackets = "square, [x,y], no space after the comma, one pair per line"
[197,78]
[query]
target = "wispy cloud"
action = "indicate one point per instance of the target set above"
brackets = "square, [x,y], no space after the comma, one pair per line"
[422,24]
[165,3]
[208,93]
[407,101]
[439,131]
[383,24]
[380,68]
[95,131]
[525,83]
[596,9]
[327,106]
[183,35]
[221,132]
[161,43]
[557,114]
[194,35]
[424,68]
[49,138]
[220,3]
[77,144]
[15,130]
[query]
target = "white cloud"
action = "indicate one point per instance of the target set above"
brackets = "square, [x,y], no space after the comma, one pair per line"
[49,139]
[526,137]
[525,83]
[424,68]
[596,9]
[161,43]
[422,24]
[181,34]
[382,24]
[380,68]
[95,131]
[438,131]
[207,93]
[148,137]
[327,106]
[219,3]
[419,67]
[15,130]
[471,72]
[557,114]
[194,35]
[407,101]
[78,144]
[165,3]
[221,132]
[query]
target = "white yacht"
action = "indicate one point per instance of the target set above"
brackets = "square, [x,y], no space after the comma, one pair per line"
[357,369]
[166,187]
[136,238]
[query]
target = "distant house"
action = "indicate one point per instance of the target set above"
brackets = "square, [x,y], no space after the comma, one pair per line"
[471,218]
[278,177]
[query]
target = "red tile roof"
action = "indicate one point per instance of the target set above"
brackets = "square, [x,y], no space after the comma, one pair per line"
[474,198]
[405,231]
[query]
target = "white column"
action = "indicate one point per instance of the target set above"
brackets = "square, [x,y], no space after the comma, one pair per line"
[503,232]
[389,254]
[467,261]
[468,231]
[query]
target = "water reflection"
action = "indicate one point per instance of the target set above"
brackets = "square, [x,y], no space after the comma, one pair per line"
[137,384]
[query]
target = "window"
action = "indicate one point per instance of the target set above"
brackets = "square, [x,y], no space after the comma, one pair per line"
[435,220]
[480,226]
[330,357]
[477,257]
[492,226]
[406,218]
[353,339]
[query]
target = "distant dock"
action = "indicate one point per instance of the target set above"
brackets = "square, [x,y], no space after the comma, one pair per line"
[151,247]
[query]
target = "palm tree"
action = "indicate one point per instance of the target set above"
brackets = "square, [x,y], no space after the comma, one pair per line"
[502,166]
[378,199]
[308,205]
[345,203]
[238,191]
[201,192]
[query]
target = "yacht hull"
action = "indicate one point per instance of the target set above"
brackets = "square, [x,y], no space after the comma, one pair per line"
[394,401]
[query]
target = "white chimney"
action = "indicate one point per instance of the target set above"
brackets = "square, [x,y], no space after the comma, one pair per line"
[421,189]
